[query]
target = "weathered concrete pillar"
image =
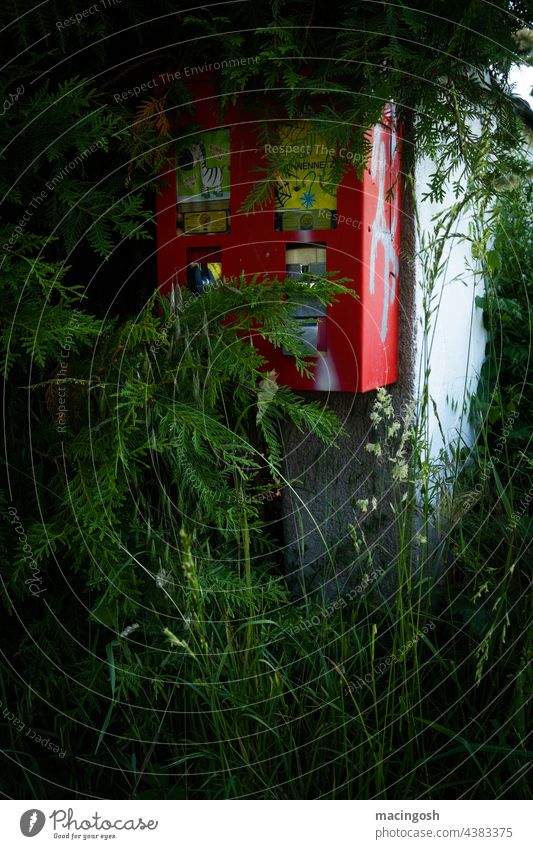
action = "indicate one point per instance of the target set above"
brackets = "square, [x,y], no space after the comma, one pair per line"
[326,482]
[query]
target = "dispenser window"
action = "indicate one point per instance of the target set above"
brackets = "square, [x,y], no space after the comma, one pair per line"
[204,269]
[310,314]
[305,198]
[203,183]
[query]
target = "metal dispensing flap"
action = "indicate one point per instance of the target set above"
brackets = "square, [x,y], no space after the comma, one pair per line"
[300,260]
[312,255]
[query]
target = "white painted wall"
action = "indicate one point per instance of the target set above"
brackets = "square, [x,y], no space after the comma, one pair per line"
[453,348]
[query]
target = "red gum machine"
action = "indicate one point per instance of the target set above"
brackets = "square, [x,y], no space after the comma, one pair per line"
[309,226]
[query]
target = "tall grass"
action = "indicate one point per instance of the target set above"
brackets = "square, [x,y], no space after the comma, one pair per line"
[199,675]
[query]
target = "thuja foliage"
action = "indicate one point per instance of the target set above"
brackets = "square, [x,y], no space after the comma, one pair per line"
[337,67]
[161,431]
[121,433]
[63,172]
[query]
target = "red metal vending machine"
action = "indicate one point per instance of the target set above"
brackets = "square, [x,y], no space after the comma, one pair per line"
[309,226]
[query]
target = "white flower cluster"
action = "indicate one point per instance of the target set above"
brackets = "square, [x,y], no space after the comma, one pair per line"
[364,503]
[129,629]
[382,409]
[382,415]
[400,464]
[162,579]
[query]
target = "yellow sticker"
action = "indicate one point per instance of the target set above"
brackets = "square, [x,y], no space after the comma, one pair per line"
[303,185]
[206,221]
